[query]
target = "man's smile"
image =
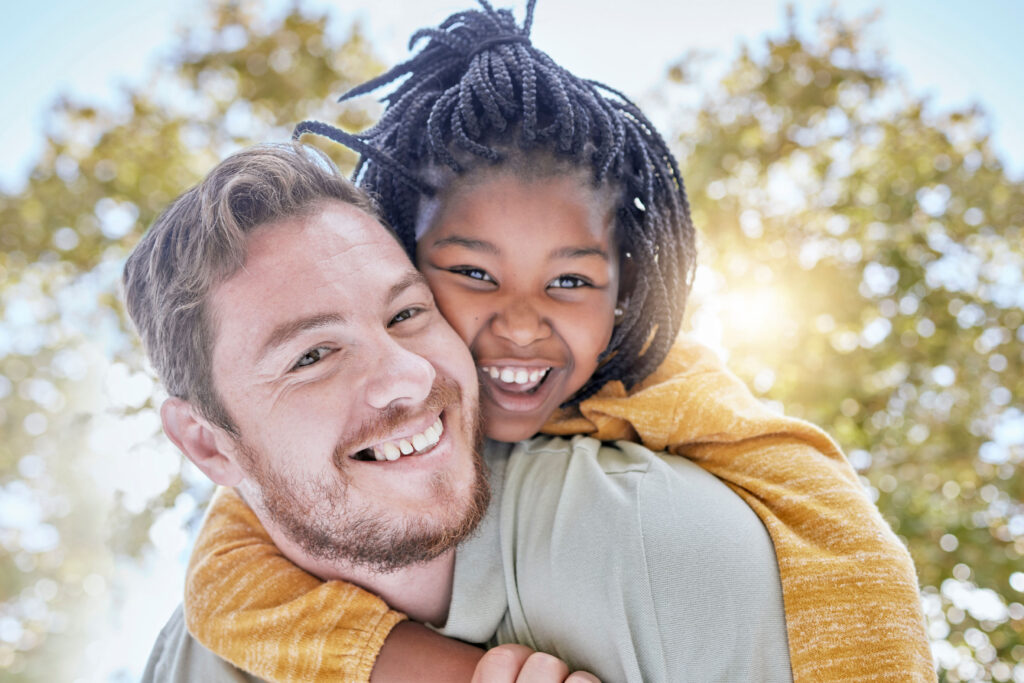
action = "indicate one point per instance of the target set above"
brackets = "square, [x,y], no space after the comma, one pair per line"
[412,444]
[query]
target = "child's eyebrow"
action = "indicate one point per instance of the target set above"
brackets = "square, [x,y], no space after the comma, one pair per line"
[580,252]
[475,245]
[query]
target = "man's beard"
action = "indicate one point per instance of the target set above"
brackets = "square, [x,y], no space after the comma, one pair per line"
[319,519]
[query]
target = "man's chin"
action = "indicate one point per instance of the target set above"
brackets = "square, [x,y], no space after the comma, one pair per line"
[326,531]
[320,521]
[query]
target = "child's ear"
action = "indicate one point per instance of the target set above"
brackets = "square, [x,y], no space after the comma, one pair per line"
[202,443]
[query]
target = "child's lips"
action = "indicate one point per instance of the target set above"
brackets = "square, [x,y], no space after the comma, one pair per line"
[515,379]
[515,396]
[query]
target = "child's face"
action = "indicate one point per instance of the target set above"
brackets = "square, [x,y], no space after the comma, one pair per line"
[528,275]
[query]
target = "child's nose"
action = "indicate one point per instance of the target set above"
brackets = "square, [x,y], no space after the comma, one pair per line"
[520,323]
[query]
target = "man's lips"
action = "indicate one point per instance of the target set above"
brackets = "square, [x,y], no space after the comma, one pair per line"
[412,444]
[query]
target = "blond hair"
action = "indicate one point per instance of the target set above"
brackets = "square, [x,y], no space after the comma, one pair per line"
[200,240]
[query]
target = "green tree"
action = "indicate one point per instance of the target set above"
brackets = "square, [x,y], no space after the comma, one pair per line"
[863,256]
[88,479]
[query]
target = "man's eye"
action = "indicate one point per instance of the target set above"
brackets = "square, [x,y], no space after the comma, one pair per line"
[312,356]
[405,314]
[472,273]
[568,282]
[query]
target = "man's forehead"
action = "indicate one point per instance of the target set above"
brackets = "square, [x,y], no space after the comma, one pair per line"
[336,225]
[337,260]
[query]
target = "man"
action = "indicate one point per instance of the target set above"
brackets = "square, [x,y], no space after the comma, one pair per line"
[298,343]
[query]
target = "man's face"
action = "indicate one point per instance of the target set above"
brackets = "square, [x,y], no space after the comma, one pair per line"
[354,400]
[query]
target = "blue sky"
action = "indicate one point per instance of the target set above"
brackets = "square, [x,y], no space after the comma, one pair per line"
[956,52]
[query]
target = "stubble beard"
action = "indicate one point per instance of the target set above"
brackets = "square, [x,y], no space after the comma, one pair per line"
[318,517]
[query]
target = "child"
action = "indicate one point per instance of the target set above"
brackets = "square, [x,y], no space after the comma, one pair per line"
[489,162]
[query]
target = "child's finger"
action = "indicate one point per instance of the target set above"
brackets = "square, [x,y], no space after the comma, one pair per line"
[582,677]
[501,664]
[541,667]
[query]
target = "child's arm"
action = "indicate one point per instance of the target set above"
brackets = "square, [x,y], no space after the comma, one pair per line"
[849,587]
[249,604]
[415,654]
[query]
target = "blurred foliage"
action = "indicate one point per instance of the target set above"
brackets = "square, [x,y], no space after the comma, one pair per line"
[861,260]
[862,257]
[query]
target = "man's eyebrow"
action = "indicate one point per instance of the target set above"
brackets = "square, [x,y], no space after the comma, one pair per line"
[581,252]
[410,279]
[475,245]
[292,328]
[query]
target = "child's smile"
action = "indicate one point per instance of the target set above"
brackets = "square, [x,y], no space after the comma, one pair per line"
[527,273]
[516,388]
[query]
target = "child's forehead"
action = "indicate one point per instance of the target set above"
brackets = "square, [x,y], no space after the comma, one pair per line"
[519,177]
[481,185]
[510,214]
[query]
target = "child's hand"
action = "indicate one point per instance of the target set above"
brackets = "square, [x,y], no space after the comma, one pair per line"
[520,664]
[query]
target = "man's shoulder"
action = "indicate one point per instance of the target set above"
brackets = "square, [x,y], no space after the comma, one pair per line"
[660,560]
[597,486]
[177,657]
[677,509]
[557,459]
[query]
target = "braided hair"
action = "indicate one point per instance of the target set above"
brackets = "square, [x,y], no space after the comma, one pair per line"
[479,89]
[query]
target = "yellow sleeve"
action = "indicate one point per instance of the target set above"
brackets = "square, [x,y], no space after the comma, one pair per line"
[249,604]
[849,586]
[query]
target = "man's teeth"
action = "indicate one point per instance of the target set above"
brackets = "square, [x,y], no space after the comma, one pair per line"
[393,450]
[515,375]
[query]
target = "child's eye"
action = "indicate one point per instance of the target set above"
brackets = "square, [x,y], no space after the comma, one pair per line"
[472,273]
[314,355]
[568,282]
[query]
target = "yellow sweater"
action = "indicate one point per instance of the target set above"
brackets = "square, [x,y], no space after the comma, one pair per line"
[849,587]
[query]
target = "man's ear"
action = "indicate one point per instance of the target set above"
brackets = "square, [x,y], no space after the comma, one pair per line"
[202,443]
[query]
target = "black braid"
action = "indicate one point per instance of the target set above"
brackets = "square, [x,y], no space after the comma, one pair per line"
[477,93]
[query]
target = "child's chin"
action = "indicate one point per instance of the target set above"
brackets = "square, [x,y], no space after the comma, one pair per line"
[499,425]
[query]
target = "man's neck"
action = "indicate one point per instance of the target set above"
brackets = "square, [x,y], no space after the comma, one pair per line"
[423,591]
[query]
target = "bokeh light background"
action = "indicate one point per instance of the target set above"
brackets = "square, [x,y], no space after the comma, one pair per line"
[861,266]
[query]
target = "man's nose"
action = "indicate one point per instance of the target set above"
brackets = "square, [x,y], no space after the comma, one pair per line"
[399,375]
[520,322]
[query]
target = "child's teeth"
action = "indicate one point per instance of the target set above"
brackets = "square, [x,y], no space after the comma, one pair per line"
[515,375]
